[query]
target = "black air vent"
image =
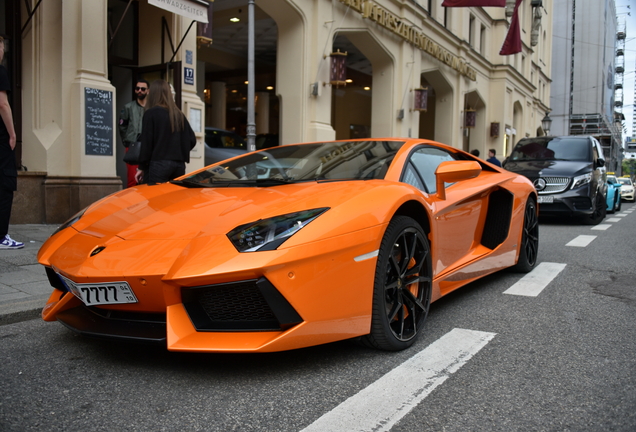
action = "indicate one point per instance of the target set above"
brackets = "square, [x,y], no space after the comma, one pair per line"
[497,223]
[252,305]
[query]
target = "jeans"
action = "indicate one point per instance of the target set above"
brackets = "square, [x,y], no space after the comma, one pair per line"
[162,171]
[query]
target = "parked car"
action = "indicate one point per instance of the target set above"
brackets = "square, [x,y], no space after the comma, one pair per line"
[627,188]
[613,194]
[567,171]
[337,240]
[221,144]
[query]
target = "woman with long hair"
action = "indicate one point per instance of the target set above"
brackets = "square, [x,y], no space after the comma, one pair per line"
[166,137]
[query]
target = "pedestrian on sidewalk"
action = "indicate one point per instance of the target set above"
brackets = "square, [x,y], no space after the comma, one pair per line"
[8,170]
[492,159]
[166,137]
[130,124]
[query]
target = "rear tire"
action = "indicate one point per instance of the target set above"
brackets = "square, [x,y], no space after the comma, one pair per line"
[402,287]
[529,247]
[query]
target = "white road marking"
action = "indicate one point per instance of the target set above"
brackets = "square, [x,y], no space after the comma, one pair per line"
[382,404]
[601,227]
[614,219]
[581,241]
[534,282]
[621,214]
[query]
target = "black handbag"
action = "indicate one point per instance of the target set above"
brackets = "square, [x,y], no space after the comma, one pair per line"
[133,154]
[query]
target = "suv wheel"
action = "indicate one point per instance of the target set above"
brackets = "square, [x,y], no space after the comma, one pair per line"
[600,210]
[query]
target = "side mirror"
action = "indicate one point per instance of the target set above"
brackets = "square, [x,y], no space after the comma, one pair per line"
[600,162]
[454,171]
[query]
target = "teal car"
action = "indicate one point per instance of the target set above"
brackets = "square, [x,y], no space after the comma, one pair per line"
[613,194]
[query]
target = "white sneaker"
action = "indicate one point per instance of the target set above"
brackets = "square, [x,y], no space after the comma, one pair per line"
[9,243]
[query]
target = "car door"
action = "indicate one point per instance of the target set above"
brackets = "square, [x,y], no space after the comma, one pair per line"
[458,220]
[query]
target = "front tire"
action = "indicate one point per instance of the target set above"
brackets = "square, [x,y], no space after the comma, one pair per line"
[600,210]
[529,248]
[402,287]
[617,203]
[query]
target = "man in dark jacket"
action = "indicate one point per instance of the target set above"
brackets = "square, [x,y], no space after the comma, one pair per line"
[492,159]
[130,124]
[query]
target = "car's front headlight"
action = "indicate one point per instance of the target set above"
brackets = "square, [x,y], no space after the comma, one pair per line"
[77,216]
[581,180]
[268,234]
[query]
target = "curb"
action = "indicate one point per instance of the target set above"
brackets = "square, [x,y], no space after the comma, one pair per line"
[22,310]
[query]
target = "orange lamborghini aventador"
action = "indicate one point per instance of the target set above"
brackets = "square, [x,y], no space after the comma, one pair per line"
[291,246]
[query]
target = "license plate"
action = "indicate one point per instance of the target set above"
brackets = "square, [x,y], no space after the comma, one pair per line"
[546,199]
[101,293]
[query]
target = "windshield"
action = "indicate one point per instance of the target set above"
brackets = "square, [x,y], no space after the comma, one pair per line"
[554,148]
[625,181]
[612,180]
[330,161]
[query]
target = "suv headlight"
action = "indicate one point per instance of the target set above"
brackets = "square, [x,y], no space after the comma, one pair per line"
[581,180]
[268,234]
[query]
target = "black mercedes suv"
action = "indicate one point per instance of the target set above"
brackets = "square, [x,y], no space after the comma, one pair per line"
[568,173]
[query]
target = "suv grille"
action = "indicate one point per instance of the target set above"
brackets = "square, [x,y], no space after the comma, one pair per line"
[555,185]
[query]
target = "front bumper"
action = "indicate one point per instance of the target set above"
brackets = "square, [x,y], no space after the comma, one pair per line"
[577,202]
[247,306]
[260,302]
[629,196]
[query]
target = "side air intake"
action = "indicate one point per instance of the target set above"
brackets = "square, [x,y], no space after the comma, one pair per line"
[498,218]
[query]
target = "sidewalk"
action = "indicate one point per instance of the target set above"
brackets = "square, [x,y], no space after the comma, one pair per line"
[24,287]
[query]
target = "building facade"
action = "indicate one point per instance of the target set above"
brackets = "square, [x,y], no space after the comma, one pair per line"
[587,70]
[412,69]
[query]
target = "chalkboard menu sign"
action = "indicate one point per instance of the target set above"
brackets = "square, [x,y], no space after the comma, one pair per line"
[99,121]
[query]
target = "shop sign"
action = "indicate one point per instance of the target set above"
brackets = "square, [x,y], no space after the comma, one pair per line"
[98,135]
[196,10]
[188,76]
[371,10]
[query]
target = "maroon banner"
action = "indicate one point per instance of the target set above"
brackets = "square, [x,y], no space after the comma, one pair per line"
[469,3]
[512,43]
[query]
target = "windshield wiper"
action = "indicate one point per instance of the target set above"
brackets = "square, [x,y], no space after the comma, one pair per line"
[210,183]
[272,181]
[189,183]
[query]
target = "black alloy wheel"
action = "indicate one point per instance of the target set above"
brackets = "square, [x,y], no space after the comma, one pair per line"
[402,288]
[529,248]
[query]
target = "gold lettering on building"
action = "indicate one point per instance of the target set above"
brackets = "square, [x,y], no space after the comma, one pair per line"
[411,34]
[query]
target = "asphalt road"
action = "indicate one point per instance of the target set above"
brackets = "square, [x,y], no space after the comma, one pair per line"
[564,360]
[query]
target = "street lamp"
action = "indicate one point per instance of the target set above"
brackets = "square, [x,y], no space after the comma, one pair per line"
[546,122]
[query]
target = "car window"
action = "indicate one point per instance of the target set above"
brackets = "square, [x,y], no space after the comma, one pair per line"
[331,161]
[553,148]
[422,165]
[411,177]
[625,181]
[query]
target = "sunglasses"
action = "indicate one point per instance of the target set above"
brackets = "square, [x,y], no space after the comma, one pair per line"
[140,88]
